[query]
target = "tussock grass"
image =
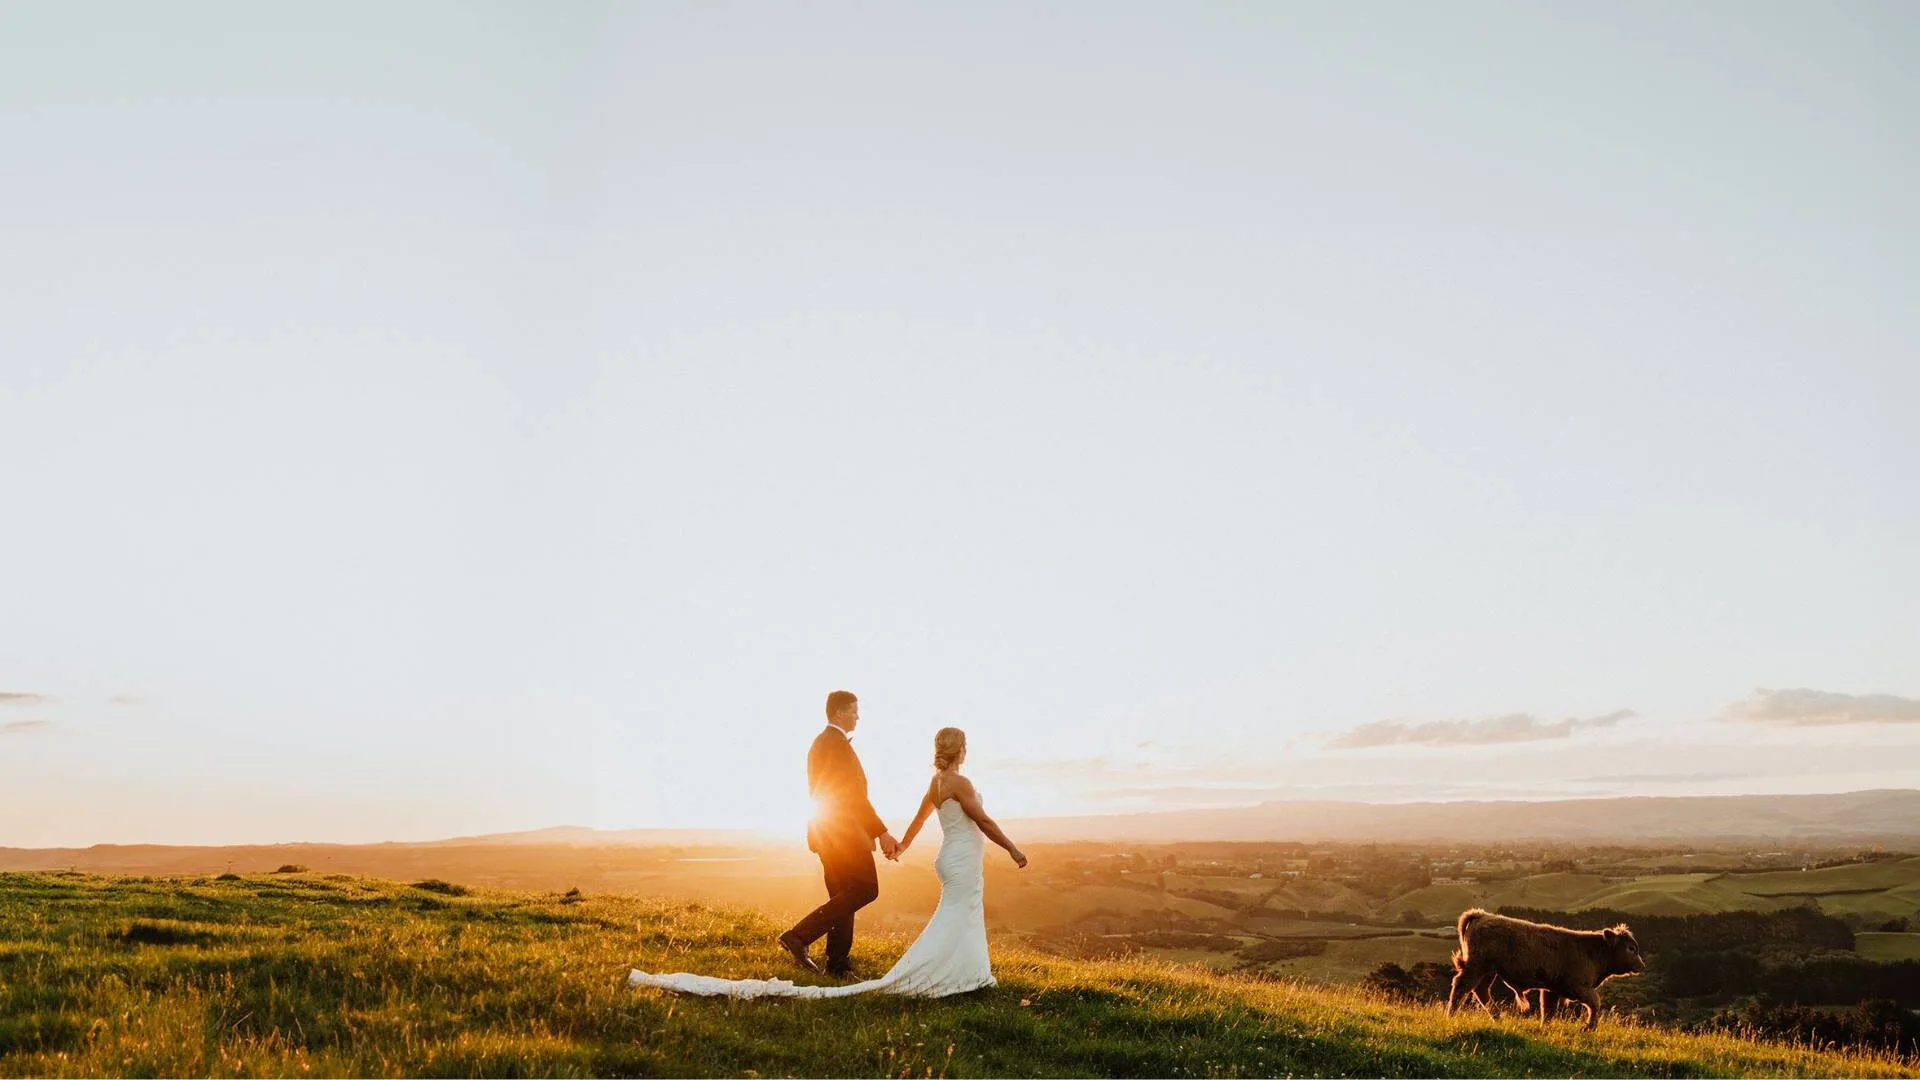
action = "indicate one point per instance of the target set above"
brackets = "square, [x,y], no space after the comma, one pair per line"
[303,976]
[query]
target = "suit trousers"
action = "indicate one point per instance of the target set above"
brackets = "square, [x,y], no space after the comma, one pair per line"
[852,883]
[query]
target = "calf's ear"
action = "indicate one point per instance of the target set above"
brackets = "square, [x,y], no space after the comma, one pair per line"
[1609,934]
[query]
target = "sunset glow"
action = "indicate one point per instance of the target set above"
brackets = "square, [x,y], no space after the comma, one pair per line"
[436,420]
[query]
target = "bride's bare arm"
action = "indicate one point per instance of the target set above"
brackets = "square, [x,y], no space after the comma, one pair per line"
[962,791]
[919,819]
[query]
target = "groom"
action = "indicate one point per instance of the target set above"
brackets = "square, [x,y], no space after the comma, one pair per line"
[842,832]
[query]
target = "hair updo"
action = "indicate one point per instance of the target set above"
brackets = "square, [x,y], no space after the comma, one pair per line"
[949,743]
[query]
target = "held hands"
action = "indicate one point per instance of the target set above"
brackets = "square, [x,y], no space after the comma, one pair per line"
[1019,858]
[889,846]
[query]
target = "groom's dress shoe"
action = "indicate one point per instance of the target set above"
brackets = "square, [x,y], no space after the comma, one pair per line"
[798,950]
[843,971]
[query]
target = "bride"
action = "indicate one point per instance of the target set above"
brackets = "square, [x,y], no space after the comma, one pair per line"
[950,955]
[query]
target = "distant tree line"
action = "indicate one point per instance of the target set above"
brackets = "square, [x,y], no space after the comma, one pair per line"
[1426,983]
[1879,1023]
[1798,929]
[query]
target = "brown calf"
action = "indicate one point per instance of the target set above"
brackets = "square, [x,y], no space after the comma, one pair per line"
[1535,956]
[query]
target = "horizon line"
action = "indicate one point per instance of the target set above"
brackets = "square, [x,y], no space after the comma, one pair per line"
[723,834]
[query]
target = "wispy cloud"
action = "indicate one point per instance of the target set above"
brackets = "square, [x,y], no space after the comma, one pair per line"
[13,697]
[1814,708]
[1107,770]
[1512,728]
[1203,797]
[126,699]
[1656,778]
[24,727]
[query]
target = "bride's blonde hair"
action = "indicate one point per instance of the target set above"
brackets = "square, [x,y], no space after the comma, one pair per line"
[948,744]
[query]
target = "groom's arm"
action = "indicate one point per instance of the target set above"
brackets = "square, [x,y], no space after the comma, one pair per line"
[840,785]
[863,806]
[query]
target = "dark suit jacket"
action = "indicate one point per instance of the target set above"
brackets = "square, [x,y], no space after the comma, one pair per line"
[843,819]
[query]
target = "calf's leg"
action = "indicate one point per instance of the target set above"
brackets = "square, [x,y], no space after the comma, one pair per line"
[1590,997]
[1465,983]
[1483,990]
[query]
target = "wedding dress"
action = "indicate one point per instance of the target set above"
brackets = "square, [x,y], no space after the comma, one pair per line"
[949,956]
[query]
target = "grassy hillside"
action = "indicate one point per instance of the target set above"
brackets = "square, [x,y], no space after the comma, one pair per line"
[304,974]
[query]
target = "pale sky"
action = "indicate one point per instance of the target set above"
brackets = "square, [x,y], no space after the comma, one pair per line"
[429,419]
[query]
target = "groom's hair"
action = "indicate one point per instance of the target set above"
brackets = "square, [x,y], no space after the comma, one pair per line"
[838,700]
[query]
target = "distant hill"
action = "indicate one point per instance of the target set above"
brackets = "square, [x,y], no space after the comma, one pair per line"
[585,836]
[1864,816]
[504,851]
[1886,816]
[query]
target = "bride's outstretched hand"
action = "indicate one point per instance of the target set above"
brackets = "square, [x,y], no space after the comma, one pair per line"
[1019,858]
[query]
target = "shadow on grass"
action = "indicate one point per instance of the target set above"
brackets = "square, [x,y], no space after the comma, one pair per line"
[142,932]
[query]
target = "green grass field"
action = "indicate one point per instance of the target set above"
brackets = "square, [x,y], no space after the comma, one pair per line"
[1316,928]
[297,975]
[1858,876]
[1879,946]
[1876,890]
[1345,963]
